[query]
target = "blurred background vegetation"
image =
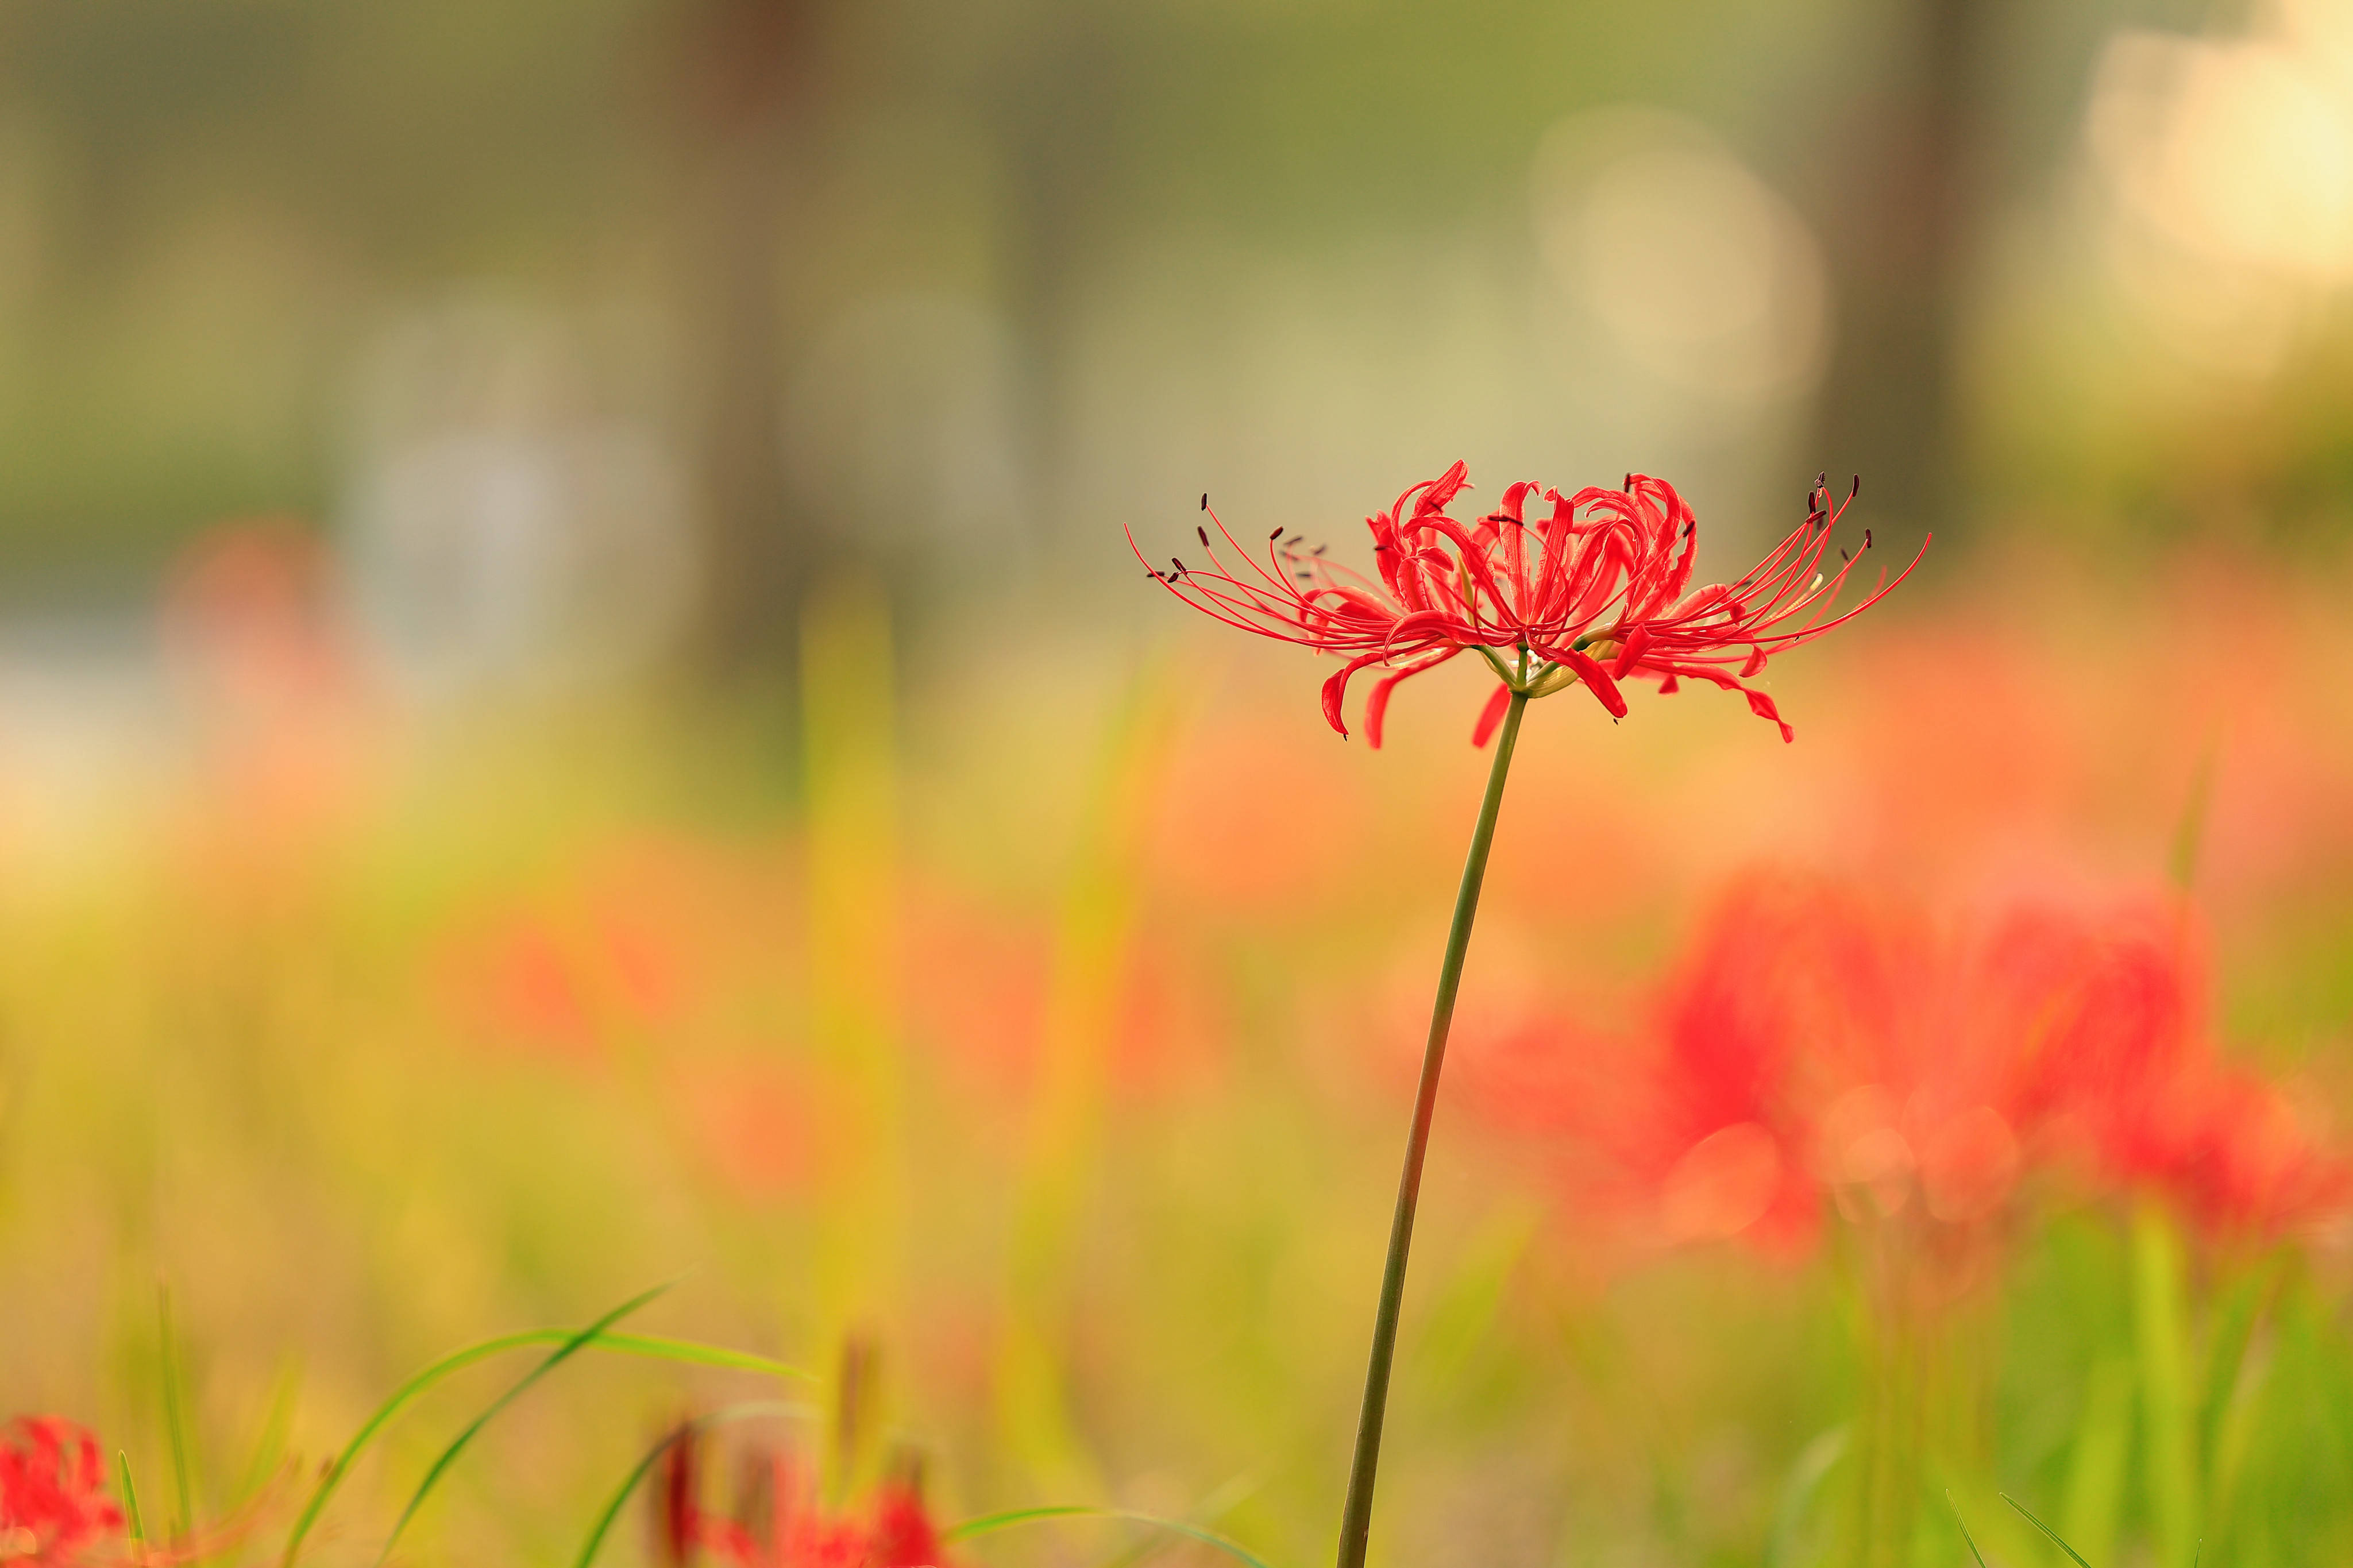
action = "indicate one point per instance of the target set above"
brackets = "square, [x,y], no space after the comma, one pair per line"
[575,709]
[954,290]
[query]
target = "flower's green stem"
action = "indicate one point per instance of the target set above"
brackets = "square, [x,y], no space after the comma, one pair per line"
[1356,1520]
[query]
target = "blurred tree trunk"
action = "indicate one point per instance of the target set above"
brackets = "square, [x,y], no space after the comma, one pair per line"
[1900,226]
[745,74]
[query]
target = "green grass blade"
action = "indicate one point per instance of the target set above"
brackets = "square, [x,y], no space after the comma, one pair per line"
[1813,1466]
[1216,1505]
[2046,1530]
[612,1510]
[130,1496]
[2099,1468]
[456,1360]
[2170,1482]
[270,1442]
[688,1351]
[1965,1530]
[562,1353]
[175,1416]
[989,1524]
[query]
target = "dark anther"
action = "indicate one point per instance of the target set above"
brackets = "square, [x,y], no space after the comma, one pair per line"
[1843,556]
[1687,529]
[1319,550]
[1866,539]
[1822,480]
[1275,535]
[1378,548]
[1296,538]
[1180,565]
[1855,489]
[1205,500]
[1205,536]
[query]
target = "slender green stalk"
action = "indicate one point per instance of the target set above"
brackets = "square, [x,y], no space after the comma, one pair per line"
[130,1498]
[175,1416]
[1356,1520]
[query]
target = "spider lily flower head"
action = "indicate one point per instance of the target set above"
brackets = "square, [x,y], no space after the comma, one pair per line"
[1594,591]
[54,1509]
[1725,633]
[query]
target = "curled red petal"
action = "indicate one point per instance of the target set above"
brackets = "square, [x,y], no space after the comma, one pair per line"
[1630,655]
[1490,716]
[1762,706]
[1377,707]
[1594,675]
[1443,489]
[1335,690]
[1419,624]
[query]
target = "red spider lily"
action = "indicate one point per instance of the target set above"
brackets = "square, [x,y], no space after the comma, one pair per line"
[1820,1042]
[54,1509]
[1570,599]
[778,1524]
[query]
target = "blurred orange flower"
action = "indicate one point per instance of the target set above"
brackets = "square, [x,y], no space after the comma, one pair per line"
[252,628]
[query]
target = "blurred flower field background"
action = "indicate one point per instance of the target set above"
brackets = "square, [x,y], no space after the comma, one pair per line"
[576,715]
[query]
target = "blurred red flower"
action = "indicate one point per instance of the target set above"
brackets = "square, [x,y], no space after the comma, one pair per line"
[1817,1041]
[1593,600]
[778,1524]
[53,1504]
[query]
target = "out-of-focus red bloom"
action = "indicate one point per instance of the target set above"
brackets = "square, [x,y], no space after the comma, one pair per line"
[778,1522]
[289,725]
[1820,1042]
[1570,599]
[2229,1151]
[54,1509]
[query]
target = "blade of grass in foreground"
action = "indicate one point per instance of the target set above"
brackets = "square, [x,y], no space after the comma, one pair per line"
[654,1346]
[562,1353]
[1965,1530]
[989,1524]
[130,1498]
[176,1417]
[269,1454]
[612,1510]
[2046,1530]
[1216,1505]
